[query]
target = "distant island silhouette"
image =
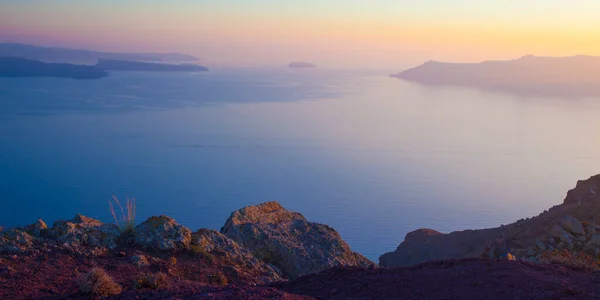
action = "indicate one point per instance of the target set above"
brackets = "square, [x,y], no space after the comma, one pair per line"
[66,55]
[123,65]
[22,67]
[301,65]
[564,77]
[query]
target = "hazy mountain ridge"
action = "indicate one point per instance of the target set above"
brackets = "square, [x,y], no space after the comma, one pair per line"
[575,76]
[67,55]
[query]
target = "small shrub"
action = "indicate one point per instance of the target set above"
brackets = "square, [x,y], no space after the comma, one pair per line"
[173,260]
[567,258]
[199,251]
[151,281]
[219,278]
[98,283]
[127,215]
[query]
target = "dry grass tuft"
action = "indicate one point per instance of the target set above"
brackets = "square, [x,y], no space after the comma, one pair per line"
[199,251]
[127,214]
[219,279]
[151,281]
[98,283]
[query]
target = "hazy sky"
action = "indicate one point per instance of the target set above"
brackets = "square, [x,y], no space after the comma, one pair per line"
[377,33]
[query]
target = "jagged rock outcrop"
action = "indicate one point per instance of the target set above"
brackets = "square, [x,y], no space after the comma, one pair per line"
[211,243]
[585,191]
[84,231]
[289,241]
[162,233]
[37,229]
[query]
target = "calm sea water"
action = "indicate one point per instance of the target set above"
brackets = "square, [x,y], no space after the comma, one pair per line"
[372,156]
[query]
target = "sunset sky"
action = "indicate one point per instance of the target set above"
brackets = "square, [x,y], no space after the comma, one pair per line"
[375,33]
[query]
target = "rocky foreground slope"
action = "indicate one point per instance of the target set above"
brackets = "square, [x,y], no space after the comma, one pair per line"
[268,252]
[258,245]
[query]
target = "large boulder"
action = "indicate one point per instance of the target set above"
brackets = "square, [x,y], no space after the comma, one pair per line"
[84,231]
[289,241]
[572,225]
[215,245]
[162,233]
[560,235]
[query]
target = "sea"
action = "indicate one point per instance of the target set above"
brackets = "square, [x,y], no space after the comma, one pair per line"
[374,157]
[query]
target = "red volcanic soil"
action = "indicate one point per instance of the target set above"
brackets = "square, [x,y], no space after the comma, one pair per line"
[54,276]
[459,279]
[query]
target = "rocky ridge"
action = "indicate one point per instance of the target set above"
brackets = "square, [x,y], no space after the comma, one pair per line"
[571,226]
[285,246]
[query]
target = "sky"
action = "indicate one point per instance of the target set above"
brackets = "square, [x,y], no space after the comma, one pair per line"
[334,33]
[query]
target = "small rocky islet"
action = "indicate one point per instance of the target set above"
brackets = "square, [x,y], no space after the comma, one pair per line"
[267,251]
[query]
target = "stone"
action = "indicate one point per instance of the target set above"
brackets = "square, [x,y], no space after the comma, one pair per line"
[540,245]
[37,229]
[594,241]
[84,231]
[560,234]
[208,242]
[162,233]
[14,241]
[140,261]
[572,225]
[290,242]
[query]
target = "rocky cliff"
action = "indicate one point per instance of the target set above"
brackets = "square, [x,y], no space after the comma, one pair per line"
[572,226]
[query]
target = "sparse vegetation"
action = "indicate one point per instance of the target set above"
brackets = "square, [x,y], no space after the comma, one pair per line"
[219,279]
[151,281]
[127,215]
[565,257]
[199,251]
[98,283]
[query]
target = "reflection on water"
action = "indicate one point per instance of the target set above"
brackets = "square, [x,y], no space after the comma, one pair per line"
[372,156]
